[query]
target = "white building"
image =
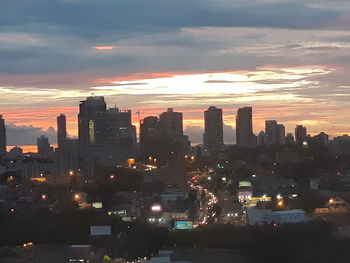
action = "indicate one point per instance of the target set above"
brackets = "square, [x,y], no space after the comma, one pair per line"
[267,216]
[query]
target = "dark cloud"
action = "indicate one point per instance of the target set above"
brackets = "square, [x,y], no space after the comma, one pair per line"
[27,135]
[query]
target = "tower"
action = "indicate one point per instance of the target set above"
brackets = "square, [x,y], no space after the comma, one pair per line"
[2,136]
[244,127]
[213,129]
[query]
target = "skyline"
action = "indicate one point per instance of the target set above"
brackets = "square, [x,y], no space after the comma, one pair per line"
[195,133]
[287,59]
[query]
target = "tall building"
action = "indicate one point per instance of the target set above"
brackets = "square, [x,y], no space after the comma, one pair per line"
[244,127]
[89,120]
[289,138]
[44,148]
[213,137]
[170,124]
[261,140]
[106,137]
[275,133]
[271,132]
[300,134]
[2,136]
[281,134]
[163,137]
[61,130]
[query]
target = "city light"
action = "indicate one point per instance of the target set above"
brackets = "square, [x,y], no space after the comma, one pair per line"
[76,197]
[156,208]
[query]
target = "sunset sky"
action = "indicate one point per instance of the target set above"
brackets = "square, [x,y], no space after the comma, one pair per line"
[288,59]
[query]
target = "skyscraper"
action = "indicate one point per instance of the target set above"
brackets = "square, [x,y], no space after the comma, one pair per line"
[289,138]
[271,132]
[281,134]
[261,138]
[244,127]
[2,136]
[170,124]
[89,120]
[61,130]
[300,134]
[213,129]
[44,148]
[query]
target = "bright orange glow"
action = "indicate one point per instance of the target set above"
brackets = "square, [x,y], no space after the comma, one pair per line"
[38,179]
[104,47]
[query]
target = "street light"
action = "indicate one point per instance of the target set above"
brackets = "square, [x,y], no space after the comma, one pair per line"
[44,196]
[71,172]
[77,197]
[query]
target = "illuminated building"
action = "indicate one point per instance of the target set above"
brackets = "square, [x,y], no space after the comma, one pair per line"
[106,136]
[267,216]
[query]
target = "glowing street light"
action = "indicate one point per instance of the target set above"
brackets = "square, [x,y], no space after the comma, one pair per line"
[43,196]
[76,197]
[71,172]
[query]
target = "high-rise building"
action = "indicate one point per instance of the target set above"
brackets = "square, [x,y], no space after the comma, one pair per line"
[321,138]
[106,137]
[275,133]
[261,140]
[91,112]
[44,148]
[300,134]
[271,132]
[213,137]
[281,134]
[244,127]
[2,136]
[61,130]
[170,124]
[289,138]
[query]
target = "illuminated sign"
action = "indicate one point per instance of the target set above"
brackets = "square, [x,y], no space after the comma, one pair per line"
[183,225]
[156,208]
[245,184]
[97,205]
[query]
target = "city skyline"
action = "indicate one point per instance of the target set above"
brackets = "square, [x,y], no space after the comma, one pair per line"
[53,137]
[230,55]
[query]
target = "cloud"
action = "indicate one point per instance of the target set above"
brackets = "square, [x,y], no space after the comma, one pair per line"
[27,135]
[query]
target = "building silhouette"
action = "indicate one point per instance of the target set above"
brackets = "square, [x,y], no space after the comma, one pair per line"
[300,134]
[274,133]
[44,148]
[61,130]
[106,136]
[244,127]
[163,137]
[213,137]
[2,136]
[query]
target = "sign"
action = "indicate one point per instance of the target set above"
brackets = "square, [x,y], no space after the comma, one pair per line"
[97,205]
[100,230]
[245,184]
[183,225]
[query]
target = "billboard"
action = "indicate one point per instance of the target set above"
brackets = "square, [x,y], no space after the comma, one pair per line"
[245,184]
[97,205]
[100,230]
[183,225]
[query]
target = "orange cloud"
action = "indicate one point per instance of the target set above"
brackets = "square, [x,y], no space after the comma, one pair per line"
[104,47]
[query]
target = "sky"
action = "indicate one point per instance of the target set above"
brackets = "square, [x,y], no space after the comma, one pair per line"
[288,59]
